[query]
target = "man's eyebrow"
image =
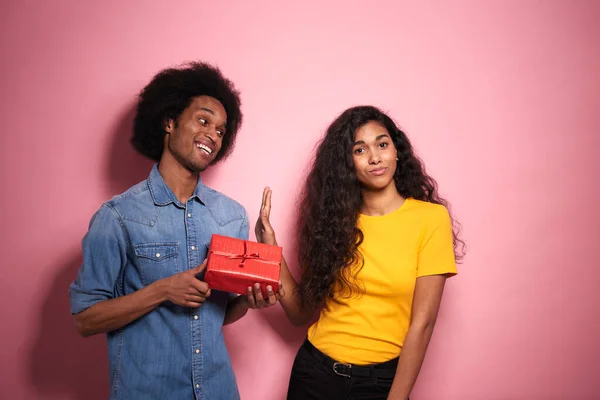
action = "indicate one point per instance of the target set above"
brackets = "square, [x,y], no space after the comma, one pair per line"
[208,110]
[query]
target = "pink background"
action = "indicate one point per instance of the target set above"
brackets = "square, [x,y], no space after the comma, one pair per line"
[501,99]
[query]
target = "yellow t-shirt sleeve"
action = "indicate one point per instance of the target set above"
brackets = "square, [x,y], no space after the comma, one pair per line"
[436,251]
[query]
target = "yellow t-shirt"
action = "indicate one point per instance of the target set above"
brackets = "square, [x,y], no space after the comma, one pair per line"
[414,240]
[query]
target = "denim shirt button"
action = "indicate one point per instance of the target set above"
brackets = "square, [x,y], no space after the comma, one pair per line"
[195,317]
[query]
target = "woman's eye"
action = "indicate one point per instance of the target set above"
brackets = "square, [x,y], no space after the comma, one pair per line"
[360,150]
[383,145]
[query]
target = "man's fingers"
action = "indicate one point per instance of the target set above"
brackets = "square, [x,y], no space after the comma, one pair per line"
[198,269]
[202,288]
[196,298]
[258,295]
[250,297]
[271,295]
[193,301]
[280,291]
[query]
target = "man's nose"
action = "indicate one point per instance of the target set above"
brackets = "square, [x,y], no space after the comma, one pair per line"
[211,133]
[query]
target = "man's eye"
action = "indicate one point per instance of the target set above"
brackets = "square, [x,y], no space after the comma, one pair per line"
[220,133]
[202,121]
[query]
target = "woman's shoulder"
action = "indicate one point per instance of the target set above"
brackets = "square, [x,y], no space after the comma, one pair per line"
[427,214]
[426,207]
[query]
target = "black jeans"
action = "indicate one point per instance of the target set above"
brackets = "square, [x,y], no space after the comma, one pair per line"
[316,376]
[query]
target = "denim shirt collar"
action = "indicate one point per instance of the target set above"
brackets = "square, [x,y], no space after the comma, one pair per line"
[162,194]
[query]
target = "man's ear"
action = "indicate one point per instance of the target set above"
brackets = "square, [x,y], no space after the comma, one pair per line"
[169,126]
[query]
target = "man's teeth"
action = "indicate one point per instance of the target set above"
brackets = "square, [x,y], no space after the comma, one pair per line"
[205,148]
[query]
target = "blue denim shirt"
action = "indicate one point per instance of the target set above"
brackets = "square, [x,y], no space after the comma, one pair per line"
[137,238]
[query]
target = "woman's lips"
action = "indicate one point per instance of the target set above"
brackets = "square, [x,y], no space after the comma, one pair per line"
[378,171]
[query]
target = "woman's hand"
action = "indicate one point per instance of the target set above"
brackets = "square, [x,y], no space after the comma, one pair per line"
[263,229]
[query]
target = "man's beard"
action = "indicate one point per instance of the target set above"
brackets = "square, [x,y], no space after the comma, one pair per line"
[187,162]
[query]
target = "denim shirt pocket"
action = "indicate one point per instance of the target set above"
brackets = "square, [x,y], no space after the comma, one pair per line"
[157,260]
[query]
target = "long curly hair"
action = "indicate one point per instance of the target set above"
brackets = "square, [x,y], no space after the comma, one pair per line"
[328,235]
[170,92]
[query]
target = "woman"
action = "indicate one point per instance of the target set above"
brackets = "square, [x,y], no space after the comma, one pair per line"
[376,244]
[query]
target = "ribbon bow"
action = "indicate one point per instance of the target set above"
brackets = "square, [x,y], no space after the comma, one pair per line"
[243,257]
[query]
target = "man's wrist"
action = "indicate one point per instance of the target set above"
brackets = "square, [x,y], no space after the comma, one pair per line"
[159,289]
[243,299]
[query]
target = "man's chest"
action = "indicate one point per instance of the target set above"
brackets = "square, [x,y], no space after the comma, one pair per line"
[172,240]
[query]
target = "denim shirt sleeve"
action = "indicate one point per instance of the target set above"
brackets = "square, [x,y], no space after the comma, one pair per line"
[244,228]
[104,255]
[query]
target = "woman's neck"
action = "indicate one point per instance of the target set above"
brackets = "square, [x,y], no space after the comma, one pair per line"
[381,202]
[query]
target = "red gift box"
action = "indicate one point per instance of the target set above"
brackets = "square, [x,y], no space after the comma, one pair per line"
[234,264]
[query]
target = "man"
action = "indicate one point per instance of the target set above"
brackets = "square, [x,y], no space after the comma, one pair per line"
[144,254]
